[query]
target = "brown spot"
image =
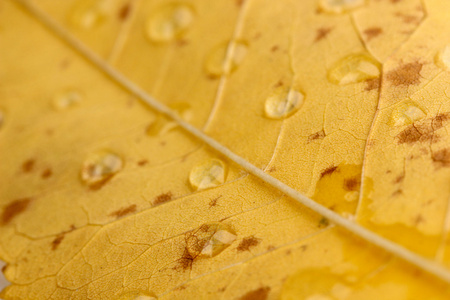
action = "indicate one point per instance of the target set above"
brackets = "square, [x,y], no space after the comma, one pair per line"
[46,173]
[372,84]
[425,131]
[57,241]
[304,248]
[278,84]
[272,169]
[239,2]
[316,136]
[399,178]
[248,243]
[124,211]
[322,33]
[259,294]
[180,288]
[142,163]
[395,1]
[14,208]
[328,171]
[406,74]
[397,193]
[213,202]
[323,222]
[352,184]
[64,64]
[408,19]
[28,165]
[182,42]
[185,262]
[124,12]
[372,32]
[271,248]
[419,219]
[441,158]
[274,48]
[162,198]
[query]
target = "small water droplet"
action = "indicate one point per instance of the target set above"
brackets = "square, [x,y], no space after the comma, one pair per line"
[217,63]
[354,68]
[137,295]
[67,99]
[162,125]
[340,6]
[169,22]
[89,14]
[443,58]
[208,174]
[100,167]
[283,103]
[406,114]
[209,239]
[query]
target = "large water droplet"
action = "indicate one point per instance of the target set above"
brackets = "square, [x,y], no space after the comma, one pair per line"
[208,174]
[354,68]
[340,6]
[225,58]
[162,125]
[169,22]
[283,103]
[443,58]
[209,239]
[100,167]
[137,295]
[89,14]
[67,99]
[406,114]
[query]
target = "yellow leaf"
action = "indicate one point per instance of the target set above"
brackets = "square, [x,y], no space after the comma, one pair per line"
[300,151]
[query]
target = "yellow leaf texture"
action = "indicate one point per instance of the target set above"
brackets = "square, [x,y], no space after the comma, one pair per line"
[345,102]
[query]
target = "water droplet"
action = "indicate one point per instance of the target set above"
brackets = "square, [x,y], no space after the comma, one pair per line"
[354,68]
[406,114]
[100,167]
[169,22]
[137,295]
[89,14]
[283,103]
[162,125]
[208,174]
[217,62]
[209,239]
[67,99]
[443,58]
[340,6]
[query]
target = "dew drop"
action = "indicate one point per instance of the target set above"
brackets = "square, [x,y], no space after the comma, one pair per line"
[443,58]
[209,239]
[406,114]
[67,99]
[162,125]
[89,14]
[207,175]
[137,295]
[283,103]
[218,63]
[340,6]
[169,22]
[100,167]
[354,68]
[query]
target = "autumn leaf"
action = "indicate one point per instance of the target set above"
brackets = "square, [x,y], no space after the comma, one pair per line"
[225,149]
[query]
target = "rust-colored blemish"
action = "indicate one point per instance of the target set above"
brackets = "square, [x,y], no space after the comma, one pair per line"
[28,165]
[441,158]
[352,184]
[322,33]
[260,294]
[319,135]
[408,19]
[424,131]
[46,173]
[399,178]
[214,201]
[185,262]
[372,84]
[13,209]
[405,74]
[124,12]
[328,171]
[372,32]
[248,243]
[142,162]
[165,197]
[124,211]
[57,241]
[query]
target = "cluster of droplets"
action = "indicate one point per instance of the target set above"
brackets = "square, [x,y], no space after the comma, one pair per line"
[169,22]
